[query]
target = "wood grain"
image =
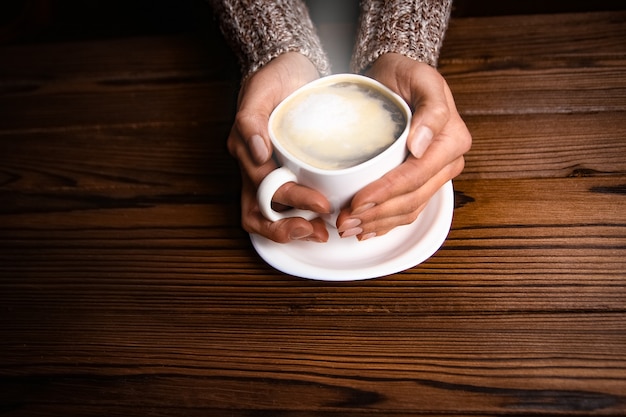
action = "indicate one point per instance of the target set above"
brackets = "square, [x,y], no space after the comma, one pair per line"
[127,286]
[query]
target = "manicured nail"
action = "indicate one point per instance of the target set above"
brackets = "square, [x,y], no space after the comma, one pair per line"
[348,224]
[368,236]
[259,150]
[363,208]
[299,233]
[352,232]
[318,208]
[421,141]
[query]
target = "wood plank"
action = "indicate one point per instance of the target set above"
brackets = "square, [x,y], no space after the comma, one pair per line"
[522,85]
[238,392]
[591,35]
[566,63]
[121,82]
[372,365]
[117,60]
[546,145]
[530,91]
[72,167]
[588,200]
[76,106]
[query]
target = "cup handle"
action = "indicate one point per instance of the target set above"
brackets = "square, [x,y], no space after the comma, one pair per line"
[268,187]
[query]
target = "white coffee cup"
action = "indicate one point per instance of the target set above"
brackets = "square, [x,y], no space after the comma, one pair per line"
[338,185]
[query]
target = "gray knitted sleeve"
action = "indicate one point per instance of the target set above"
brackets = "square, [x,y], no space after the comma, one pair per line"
[260,30]
[414,28]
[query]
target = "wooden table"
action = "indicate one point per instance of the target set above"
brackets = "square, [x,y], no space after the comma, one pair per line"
[128,288]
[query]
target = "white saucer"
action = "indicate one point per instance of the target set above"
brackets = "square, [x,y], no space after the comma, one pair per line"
[350,260]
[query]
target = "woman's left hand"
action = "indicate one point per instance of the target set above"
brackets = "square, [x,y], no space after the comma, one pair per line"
[438,139]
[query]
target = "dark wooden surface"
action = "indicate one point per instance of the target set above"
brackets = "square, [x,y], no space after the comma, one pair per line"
[128,288]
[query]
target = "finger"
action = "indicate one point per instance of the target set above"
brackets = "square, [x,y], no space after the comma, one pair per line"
[293,228]
[387,224]
[252,128]
[261,93]
[295,195]
[255,105]
[399,210]
[320,231]
[430,111]
[413,173]
[249,167]
[406,208]
[282,231]
[424,89]
[409,176]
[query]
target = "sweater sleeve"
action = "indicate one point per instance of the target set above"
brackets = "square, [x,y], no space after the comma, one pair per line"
[260,30]
[414,28]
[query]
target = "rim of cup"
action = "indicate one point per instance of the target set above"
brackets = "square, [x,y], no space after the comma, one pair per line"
[399,101]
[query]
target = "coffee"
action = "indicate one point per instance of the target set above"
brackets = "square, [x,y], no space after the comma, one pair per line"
[336,135]
[338,125]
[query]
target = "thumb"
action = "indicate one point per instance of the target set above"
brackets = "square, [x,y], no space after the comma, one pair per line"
[256,103]
[431,111]
[252,127]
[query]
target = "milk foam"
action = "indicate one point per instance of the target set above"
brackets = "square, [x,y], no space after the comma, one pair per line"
[339,125]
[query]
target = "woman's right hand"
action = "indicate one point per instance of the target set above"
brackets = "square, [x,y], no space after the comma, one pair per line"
[250,144]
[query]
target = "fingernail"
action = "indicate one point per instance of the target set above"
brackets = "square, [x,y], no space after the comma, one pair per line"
[348,224]
[363,208]
[368,236]
[299,233]
[422,139]
[259,150]
[318,208]
[352,232]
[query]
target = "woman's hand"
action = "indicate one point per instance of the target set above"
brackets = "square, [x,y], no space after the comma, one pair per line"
[249,143]
[438,139]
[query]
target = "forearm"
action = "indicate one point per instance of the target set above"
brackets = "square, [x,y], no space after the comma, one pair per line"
[259,31]
[413,28]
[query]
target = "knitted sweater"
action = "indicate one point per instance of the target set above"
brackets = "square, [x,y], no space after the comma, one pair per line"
[260,30]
